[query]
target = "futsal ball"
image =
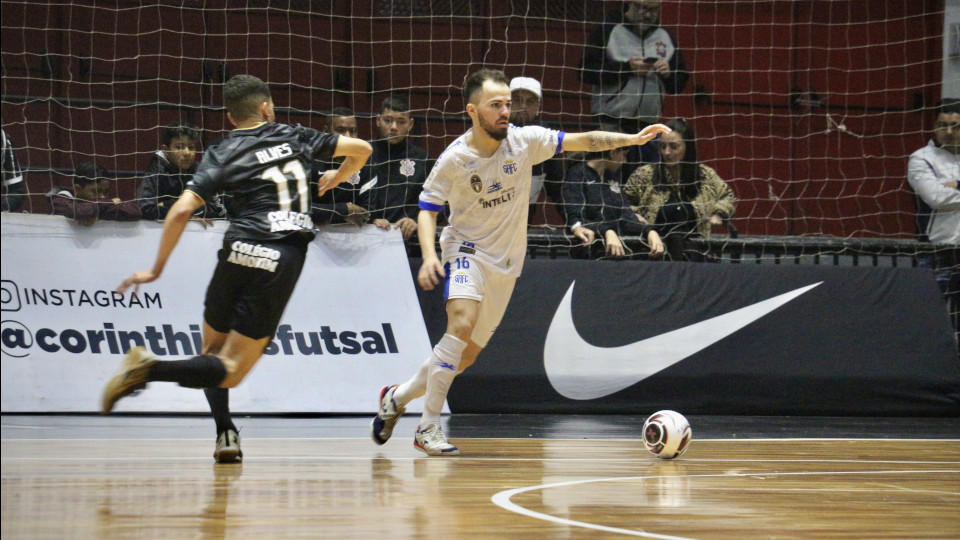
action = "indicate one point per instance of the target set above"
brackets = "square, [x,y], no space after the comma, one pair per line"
[667,434]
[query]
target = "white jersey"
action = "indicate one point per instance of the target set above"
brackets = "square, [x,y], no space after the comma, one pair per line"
[489,196]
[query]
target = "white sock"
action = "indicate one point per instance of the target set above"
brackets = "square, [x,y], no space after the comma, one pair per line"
[416,386]
[440,374]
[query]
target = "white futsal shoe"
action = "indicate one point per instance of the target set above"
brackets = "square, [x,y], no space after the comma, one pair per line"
[228,448]
[381,427]
[431,441]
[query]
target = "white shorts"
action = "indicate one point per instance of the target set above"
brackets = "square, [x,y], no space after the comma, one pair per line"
[469,278]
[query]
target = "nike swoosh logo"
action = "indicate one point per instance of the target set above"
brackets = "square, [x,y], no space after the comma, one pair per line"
[578,370]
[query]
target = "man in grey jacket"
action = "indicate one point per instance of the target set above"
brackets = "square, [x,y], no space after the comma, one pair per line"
[632,62]
[933,173]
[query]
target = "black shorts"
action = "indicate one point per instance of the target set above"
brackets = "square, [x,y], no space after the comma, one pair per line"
[252,284]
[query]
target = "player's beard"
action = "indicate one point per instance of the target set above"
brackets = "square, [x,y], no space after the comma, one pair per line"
[495,133]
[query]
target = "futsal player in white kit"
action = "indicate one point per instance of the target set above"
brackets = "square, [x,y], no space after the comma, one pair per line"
[485,178]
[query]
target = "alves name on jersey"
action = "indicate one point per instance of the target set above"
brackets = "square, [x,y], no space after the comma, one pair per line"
[265,172]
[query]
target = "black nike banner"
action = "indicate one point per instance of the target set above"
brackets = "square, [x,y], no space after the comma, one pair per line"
[634,337]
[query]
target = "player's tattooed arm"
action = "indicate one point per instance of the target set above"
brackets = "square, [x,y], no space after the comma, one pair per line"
[600,141]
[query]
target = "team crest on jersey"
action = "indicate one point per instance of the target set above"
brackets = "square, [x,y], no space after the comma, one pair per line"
[615,187]
[354,178]
[407,167]
[509,167]
[476,183]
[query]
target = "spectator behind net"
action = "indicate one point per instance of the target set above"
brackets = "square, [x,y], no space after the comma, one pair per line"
[391,181]
[87,201]
[595,204]
[340,204]
[680,195]
[14,187]
[934,174]
[632,61]
[527,97]
[170,168]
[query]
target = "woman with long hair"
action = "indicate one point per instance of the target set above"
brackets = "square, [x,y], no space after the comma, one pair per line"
[680,195]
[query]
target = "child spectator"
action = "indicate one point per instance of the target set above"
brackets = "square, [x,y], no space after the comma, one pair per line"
[170,168]
[86,201]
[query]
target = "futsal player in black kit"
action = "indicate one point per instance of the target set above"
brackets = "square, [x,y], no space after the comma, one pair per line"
[265,168]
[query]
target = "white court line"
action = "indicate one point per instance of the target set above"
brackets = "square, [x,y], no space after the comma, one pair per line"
[502,499]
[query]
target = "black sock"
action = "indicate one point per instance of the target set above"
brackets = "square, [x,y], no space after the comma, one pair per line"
[219,400]
[205,371]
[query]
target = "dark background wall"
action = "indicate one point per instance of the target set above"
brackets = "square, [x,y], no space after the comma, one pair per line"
[95,79]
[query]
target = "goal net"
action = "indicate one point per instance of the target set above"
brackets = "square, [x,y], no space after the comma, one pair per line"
[808,109]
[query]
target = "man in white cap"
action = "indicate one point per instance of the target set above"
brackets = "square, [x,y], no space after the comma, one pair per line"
[527,97]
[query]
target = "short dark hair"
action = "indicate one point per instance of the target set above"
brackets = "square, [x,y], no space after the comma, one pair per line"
[174,130]
[339,112]
[243,94]
[949,106]
[88,172]
[474,82]
[395,103]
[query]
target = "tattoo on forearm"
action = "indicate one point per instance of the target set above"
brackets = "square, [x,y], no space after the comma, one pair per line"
[602,140]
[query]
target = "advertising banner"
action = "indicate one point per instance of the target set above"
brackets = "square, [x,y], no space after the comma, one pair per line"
[634,337]
[352,326]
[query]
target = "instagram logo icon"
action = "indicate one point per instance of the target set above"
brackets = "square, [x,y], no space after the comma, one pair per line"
[9,296]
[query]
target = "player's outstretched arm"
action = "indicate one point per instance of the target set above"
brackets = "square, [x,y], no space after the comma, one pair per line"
[173,226]
[599,141]
[427,235]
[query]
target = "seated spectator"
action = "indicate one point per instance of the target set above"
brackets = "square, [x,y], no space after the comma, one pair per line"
[527,97]
[338,205]
[679,195]
[14,188]
[170,168]
[86,201]
[393,177]
[595,205]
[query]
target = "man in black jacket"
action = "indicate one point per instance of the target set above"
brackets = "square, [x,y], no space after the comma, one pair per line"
[170,168]
[393,177]
[340,204]
[14,188]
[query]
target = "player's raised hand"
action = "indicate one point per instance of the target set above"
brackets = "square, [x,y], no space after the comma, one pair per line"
[429,270]
[650,132]
[328,181]
[144,276]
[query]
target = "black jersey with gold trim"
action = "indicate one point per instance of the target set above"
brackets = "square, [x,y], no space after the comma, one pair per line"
[266,172]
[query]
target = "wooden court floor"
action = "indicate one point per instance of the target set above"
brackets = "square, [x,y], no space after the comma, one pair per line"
[122,477]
